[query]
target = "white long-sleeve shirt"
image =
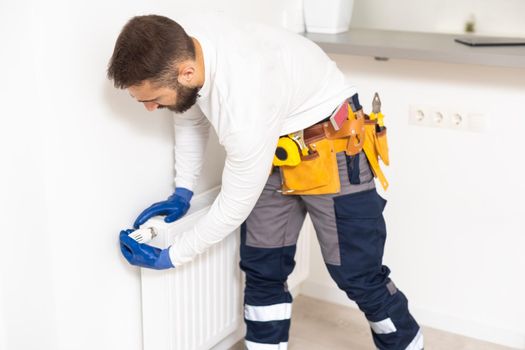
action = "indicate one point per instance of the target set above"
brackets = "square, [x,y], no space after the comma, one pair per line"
[260,82]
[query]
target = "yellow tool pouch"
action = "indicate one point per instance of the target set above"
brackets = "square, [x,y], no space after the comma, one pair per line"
[382,146]
[371,146]
[317,173]
[381,143]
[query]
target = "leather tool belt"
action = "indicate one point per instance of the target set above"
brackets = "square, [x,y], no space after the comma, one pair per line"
[309,165]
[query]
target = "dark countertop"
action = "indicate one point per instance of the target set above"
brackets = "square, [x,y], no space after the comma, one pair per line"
[417,46]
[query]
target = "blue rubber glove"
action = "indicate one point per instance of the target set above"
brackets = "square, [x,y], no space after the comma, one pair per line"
[174,207]
[143,255]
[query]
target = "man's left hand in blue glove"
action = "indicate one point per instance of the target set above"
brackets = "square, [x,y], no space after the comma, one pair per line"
[174,207]
[143,255]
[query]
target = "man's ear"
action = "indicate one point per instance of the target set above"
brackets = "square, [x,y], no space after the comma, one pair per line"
[186,73]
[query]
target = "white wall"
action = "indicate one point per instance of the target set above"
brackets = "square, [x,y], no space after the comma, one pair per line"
[80,161]
[493,17]
[27,302]
[455,211]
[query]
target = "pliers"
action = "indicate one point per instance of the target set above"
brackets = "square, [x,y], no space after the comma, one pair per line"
[376,112]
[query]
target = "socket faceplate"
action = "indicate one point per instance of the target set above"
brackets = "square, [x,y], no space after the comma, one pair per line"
[447,118]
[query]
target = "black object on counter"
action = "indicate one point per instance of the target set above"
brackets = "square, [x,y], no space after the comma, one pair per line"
[490,41]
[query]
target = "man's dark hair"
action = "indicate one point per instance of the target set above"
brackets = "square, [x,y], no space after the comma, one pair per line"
[147,49]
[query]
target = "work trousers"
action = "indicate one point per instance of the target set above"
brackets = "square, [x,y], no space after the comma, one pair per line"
[351,232]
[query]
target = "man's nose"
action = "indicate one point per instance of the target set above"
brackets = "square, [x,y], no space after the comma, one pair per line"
[151,106]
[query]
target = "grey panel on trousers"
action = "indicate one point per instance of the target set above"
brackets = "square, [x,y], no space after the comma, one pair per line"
[321,207]
[276,220]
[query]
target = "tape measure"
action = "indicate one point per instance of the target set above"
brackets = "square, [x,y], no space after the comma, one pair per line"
[287,152]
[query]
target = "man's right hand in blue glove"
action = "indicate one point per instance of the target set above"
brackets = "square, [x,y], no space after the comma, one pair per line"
[174,207]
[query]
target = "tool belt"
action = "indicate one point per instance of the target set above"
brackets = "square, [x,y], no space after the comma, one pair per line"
[307,159]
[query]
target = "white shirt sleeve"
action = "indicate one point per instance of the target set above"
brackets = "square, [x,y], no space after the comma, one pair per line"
[249,154]
[191,137]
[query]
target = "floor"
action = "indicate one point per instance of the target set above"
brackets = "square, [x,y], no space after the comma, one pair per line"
[320,325]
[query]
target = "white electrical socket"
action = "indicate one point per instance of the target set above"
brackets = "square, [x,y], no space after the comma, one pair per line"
[419,116]
[438,119]
[447,118]
[458,120]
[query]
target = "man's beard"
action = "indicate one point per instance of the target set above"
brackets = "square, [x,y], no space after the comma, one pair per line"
[186,97]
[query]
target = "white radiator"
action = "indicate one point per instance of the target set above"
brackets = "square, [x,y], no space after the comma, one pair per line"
[199,304]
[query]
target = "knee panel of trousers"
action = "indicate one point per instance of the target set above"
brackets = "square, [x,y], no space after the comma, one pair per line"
[266,270]
[267,264]
[361,230]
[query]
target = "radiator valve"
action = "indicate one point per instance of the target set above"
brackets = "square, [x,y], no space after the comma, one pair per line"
[144,235]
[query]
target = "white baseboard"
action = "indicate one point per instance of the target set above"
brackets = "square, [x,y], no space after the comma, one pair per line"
[425,317]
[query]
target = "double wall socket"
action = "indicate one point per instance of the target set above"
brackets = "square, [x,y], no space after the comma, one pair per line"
[456,119]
